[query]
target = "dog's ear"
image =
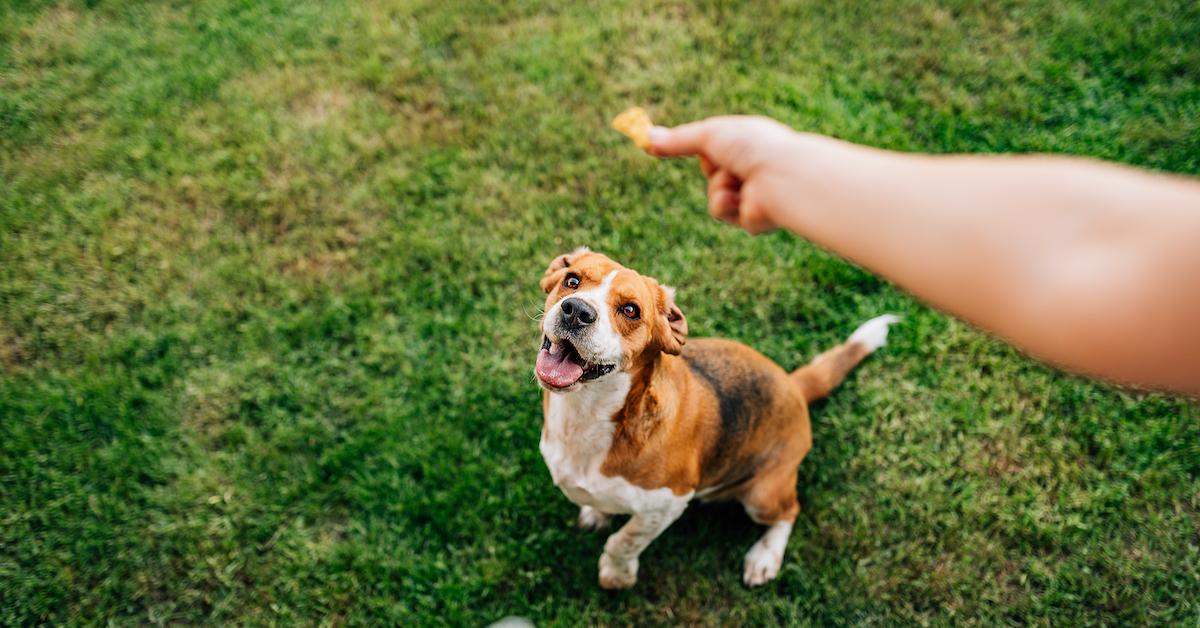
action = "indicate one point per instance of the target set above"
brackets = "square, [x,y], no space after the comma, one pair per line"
[672,326]
[558,267]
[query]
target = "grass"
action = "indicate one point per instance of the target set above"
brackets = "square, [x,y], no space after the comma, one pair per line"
[265,271]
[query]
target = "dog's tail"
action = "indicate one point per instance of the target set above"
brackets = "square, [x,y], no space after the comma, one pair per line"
[819,377]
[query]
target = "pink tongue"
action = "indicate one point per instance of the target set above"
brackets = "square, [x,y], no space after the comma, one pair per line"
[556,369]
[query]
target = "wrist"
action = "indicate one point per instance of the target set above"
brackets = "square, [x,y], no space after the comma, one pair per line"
[820,156]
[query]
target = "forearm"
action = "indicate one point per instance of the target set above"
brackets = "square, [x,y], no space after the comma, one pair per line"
[1066,258]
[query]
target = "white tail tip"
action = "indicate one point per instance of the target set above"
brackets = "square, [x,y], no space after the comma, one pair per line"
[873,333]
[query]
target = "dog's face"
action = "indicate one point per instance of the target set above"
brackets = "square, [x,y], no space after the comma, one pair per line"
[600,318]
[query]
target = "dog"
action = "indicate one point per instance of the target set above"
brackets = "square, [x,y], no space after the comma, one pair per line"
[640,420]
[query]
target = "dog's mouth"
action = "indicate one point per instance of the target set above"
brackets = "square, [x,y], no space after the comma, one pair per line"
[559,365]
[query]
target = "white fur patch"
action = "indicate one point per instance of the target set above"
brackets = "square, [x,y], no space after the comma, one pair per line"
[766,556]
[592,519]
[576,439]
[602,343]
[873,333]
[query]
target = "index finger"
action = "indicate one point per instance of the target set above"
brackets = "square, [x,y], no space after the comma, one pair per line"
[683,140]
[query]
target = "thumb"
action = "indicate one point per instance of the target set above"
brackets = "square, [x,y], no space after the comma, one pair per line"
[681,141]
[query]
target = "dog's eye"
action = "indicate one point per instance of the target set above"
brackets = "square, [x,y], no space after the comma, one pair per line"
[631,311]
[571,282]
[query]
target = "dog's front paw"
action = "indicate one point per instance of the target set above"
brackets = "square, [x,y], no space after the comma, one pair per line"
[592,519]
[762,565]
[617,574]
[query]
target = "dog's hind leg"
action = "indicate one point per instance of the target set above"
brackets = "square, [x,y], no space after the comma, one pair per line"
[771,501]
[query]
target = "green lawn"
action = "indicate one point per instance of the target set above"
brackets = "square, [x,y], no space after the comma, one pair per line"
[267,271]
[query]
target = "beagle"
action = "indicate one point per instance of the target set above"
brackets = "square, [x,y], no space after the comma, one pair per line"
[637,422]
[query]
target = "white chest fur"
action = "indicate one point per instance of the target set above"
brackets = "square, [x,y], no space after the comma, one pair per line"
[578,434]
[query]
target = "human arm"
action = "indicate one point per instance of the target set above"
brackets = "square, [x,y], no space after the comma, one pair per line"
[1091,266]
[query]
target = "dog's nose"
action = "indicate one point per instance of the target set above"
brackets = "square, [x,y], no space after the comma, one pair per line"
[577,314]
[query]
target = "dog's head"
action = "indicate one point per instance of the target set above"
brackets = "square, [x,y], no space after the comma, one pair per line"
[602,318]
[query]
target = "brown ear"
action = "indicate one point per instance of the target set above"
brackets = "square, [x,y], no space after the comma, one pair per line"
[554,273]
[673,328]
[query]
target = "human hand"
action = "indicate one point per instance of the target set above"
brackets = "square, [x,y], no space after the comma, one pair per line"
[752,164]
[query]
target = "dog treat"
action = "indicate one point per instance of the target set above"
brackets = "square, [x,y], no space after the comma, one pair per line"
[635,123]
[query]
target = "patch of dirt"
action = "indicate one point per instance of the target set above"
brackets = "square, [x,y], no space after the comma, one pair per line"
[317,108]
[12,349]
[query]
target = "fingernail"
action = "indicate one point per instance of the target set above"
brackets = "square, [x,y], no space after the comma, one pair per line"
[658,134]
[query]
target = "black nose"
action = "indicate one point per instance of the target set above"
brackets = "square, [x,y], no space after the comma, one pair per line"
[577,314]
